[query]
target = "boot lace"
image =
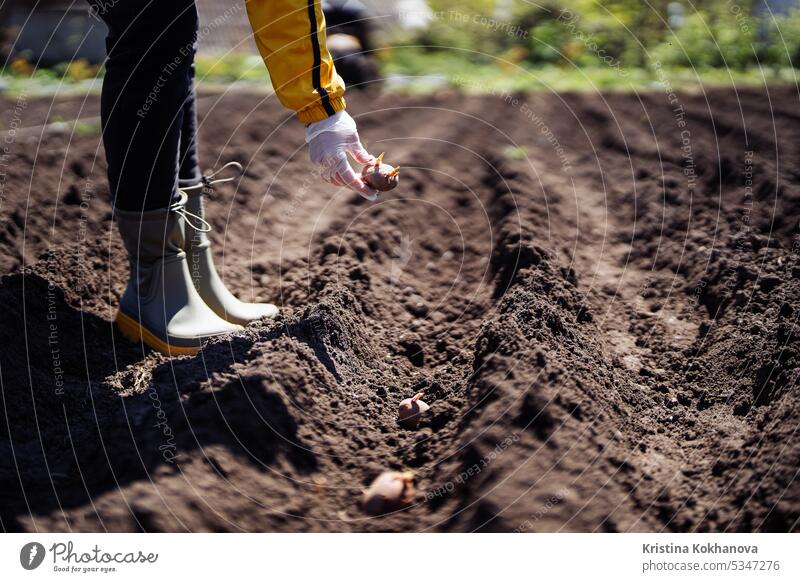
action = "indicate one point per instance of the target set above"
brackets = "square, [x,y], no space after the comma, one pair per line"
[207,181]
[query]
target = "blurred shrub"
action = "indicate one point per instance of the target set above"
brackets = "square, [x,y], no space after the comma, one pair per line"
[78,70]
[783,40]
[547,42]
[20,67]
[74,71]
[710,39]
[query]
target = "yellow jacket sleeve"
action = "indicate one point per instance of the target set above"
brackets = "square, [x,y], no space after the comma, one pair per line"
[290,35]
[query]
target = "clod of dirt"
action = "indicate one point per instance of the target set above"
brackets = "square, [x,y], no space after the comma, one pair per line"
[381,176]
[389,491]
[410,411]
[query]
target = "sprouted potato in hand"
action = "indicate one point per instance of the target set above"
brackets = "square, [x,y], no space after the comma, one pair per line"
[381,176]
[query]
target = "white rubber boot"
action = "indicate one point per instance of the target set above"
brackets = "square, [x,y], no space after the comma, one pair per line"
[160,306]
[203,272]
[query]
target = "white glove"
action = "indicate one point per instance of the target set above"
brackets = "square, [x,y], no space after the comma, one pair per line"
[329,141]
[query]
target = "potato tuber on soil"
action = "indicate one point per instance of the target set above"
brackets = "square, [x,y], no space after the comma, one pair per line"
[389,491]
[410,411]
[380,176]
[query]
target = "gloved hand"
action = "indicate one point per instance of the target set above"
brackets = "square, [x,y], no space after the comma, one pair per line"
[329,141]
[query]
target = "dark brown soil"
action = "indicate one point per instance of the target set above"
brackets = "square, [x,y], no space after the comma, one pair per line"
[597,294]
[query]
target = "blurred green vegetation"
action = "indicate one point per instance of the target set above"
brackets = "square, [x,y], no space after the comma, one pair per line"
[480,45]
[79,76]
[230,68]
[417,70]
[579,44]
[624,34]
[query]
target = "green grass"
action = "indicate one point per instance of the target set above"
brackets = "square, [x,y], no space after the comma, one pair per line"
[414,70]
[516,153]
[84,128]
[417,71]
[12,86]
[231,67]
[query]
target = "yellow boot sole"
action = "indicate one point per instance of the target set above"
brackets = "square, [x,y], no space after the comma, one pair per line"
[135,332]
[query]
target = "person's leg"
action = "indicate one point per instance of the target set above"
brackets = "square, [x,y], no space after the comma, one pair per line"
[197,245]
[189,162]
[150,51]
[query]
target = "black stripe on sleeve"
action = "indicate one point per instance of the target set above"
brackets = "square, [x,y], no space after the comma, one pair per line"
[315,71]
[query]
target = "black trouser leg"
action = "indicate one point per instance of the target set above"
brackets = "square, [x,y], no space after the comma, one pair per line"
[150,48]
[189,173]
